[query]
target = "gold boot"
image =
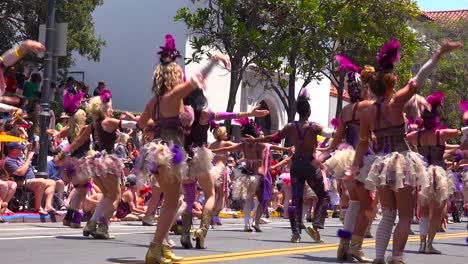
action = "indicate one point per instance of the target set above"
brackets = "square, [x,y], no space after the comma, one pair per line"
[422,244]
[90,228]
[296,238]
[169,255]
[314,234]
[155,255]
[102,232]
[379,261]
[355,250]
[186,226]
[342,252]
[200,233]
[431,250]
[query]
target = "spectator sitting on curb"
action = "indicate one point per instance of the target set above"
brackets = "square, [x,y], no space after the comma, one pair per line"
[127,209]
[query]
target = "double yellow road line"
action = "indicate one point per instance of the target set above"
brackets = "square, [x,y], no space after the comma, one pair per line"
[295,250]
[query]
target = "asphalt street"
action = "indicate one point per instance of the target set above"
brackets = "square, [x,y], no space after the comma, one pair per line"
[52,243]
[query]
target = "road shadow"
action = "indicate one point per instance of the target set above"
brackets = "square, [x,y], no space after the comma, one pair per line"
[73,238]
[126,260]
[313,258]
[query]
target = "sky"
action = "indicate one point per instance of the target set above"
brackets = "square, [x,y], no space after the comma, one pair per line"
[440,5]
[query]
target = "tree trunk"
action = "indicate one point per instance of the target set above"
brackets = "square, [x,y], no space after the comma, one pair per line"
[339,99]
[236,77]
[292,87]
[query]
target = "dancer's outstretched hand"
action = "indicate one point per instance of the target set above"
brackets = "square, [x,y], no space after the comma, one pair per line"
[224,58]
[450,46]
[256,112]
[249,139]
[33,46]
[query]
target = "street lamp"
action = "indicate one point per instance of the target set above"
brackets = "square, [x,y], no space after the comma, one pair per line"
[44,116]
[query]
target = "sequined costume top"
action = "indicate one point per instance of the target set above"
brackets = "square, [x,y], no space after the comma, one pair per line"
[390,138]
[433,154]
[352,128]
[102,139]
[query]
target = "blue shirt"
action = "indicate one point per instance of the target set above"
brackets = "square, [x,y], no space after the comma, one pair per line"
[13,164]
[53,171]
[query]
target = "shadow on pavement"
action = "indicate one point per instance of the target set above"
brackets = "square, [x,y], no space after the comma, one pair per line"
[313,258]
[126,260]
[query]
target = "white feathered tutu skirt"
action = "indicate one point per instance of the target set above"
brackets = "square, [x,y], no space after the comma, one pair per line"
[339,161]
[156,154]
[219,175]
[95,164]
[200,165]
[245,185]
[440,187]
[395,170]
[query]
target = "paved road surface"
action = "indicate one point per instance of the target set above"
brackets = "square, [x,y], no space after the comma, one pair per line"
[53,244]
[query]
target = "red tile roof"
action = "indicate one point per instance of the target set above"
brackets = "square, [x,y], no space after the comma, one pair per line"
[448,16]
[334,93]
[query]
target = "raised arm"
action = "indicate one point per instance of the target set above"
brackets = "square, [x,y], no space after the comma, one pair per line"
[11,56]
[404,95]
[282,149]
[197,80]
[232,148]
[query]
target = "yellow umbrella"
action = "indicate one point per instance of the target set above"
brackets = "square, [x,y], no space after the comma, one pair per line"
[8,138]
[320,138]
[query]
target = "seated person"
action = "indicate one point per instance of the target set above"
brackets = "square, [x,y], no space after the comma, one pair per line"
[7,190]
[22,173]
[127,208]
[55,173]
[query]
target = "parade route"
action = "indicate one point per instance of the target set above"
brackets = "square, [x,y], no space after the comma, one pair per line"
[52,243]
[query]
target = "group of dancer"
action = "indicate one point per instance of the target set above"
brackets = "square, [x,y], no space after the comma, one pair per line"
[370,155]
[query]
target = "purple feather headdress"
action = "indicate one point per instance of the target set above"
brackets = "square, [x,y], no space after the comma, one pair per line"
[335,122]
[388,55]
[435,100]
[346,64]
[71,102]
[168,51]
[106,96]
[242,122]
[463,106]
[304,93]
[213,125]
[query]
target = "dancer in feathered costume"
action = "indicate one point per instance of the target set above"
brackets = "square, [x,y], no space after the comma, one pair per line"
[304,167]
[359,213]
[200,165]
[430,141]
[71,166]
[165,158]
[394,171]
[219,161]
[254,179]
[9,58]
[104,167]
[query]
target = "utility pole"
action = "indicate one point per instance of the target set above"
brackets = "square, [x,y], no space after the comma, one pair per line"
[45,102]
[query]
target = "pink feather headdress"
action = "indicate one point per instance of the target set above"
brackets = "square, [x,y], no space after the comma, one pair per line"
[388,55]
[335,122]
[242,122]
[71,102]
[213,125]
[304,93]
[436,99]
[463,106]
[106,96]
[169,51]
[346,64]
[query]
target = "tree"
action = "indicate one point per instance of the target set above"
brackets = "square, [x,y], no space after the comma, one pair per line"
[21,20]
[237,28]
[450,74]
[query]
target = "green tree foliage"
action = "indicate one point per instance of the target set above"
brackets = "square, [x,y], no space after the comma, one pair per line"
[20,20]
[450,76]
[237,28]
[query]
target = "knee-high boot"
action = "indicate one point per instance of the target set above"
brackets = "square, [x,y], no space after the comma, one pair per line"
[355,250]
[295,224]
[200,233]
[186,226]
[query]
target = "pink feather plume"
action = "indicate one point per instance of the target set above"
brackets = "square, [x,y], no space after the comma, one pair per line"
[304,92]
[335,123]
[346,64]
[389,54]
[72,102]
[243,122]
[436,99]
[106,95]
[464,106]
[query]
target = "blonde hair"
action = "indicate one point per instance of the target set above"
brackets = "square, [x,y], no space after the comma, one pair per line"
[96,109]
[76,122]
[166,77]
[415,106]
[219,132]
[378,82]
[123,138]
